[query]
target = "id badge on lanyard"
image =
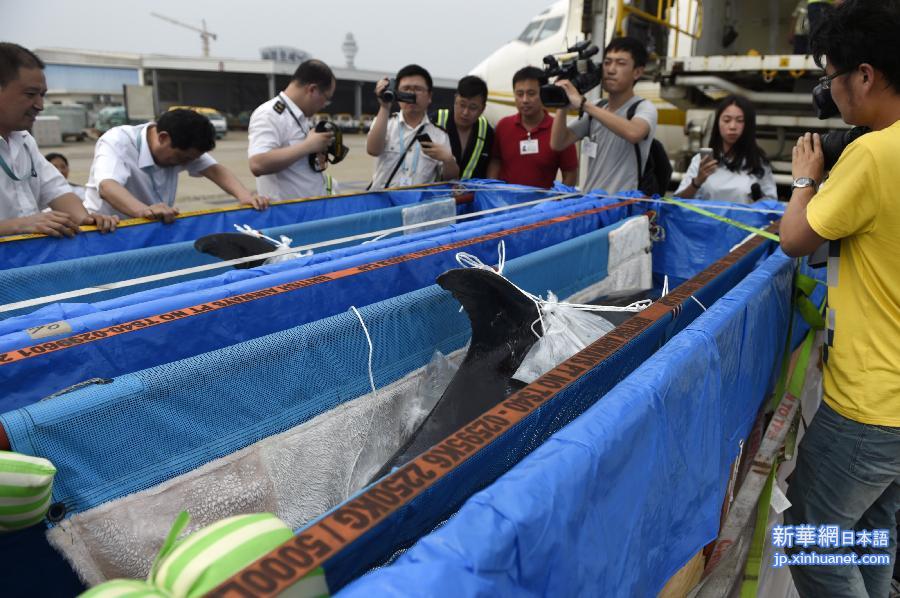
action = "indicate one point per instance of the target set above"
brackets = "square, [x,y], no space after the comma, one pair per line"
[528,146]
[405,178]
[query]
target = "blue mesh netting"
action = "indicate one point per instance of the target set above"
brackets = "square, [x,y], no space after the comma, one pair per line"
[197,409]
[35,377]
[620,498]
[396,244]
[643,462]
[40,250]
[19,284]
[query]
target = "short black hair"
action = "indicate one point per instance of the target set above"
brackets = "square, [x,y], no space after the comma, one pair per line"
[529,73]
[632,46]
[471,86]
[859,31]
[314,71]
[411,70]
[12,58]
[56,155]
[188,129]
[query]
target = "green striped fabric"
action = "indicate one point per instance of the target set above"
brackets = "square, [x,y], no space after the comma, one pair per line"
[124,588]
[200,562]
[25,486]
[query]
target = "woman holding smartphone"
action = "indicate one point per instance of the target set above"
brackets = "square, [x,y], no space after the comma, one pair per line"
[733,168]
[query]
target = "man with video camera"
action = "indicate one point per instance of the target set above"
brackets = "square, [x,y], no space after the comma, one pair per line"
[613,127]
[282,136]
[410,149]
[848,465]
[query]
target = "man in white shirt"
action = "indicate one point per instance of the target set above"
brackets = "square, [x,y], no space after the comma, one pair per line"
[405,157]
[135,169]
[28,182]
[282,139]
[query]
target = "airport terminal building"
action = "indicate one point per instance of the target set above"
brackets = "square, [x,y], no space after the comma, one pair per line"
[232,86]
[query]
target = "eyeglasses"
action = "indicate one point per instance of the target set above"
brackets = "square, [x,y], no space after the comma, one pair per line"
[825,81]
[324,95]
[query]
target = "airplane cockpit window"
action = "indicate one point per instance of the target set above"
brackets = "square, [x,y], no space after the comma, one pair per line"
[550,27]
[530,31]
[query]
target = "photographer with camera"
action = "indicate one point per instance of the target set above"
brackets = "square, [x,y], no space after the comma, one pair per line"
[848,464]
[613,127]
[282,138]
[410,149]
[522,154]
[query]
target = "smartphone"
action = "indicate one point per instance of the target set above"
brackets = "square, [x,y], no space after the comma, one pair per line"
[423,138]
[705,152]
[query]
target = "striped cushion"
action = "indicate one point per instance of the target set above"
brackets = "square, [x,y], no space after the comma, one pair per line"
[124,588]
[206,558]
[25,485]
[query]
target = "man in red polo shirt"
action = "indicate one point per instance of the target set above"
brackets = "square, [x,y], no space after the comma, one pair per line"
[522,153]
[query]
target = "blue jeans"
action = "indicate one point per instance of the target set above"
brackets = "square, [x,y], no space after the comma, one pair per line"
[847,474]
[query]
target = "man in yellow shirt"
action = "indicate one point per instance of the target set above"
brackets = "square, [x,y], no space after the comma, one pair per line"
[848,465]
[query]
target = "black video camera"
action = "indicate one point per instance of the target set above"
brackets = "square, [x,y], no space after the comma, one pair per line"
[576,66]
[833,142]
[390,94]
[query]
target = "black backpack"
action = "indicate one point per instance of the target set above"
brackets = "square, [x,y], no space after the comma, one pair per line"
[654,177]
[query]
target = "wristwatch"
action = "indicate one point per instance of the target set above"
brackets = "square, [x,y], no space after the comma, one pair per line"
[804,182]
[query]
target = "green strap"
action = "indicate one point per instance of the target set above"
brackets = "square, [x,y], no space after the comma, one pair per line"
[805,285]
[329,184]
[476,151]
[750,585]
[732,222]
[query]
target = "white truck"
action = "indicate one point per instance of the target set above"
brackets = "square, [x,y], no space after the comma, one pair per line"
[702,50]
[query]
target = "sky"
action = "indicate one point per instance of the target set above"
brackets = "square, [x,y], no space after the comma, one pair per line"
[447,38]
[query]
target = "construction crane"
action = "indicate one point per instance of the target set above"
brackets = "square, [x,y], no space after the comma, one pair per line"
[204,34]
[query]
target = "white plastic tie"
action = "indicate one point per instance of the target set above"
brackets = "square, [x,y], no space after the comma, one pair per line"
[467,260]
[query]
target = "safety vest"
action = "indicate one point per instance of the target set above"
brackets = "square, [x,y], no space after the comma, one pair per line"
[443,115]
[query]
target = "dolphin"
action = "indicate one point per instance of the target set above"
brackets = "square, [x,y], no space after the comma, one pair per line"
[229,246]
[501,318]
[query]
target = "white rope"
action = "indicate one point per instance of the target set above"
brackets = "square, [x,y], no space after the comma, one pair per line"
[467,260]
[253,258]
[698,303]
[665,288]
[381,233]
[374,398]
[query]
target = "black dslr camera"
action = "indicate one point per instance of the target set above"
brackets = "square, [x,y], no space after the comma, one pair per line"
[576,66]
[390,94]
[833,142]
[336,151]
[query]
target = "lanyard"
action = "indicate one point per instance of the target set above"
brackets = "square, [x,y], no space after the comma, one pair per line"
[149,173]
[9,172]
[291,112]
[415,164]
